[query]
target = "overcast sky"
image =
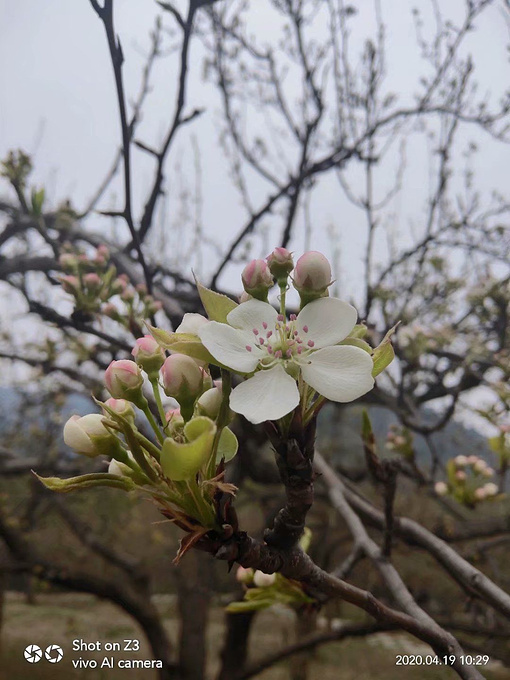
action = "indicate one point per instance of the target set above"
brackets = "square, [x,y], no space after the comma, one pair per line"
[58,102]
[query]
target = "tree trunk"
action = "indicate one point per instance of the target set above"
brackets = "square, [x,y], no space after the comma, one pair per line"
[305,625]
[3,587]
[235,649]
[193,598]
[150,621]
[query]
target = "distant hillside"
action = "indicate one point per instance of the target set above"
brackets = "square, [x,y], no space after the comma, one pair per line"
[340,427]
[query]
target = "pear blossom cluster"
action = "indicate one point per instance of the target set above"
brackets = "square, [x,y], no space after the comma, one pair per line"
[96,287]
[275,365]
[181,466]
[467,481]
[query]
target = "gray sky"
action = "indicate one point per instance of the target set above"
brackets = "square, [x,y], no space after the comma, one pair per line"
[59,103]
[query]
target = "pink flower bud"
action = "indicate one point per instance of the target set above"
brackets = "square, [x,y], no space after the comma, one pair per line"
[128,295]
[172,413]
[92,281]
[124,380]
[70,284]
[460,476]
[488,472]
[152,305]
[244,575]
[480,494]
[118,286]
[257,279]
[103,251]
[280,264]
[148,354]
[312,273]
[141,289]
[472,460]
[262,580]
[87,435]
[110,310]
[182,379]
[120,406]
[460,461]
[441,488]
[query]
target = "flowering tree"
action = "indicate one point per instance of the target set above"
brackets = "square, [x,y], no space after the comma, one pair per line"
[262,362]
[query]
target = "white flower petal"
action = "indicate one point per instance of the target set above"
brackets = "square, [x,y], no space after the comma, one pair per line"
[341,373]
[228,346]
[268,395]
[252,314]
[328,320]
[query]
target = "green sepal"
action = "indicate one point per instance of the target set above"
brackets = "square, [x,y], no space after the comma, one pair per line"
[359,331]
[227,445]
[86,482]
[182,460]
[384,353]
[182,343]
[357,342]
[216,305]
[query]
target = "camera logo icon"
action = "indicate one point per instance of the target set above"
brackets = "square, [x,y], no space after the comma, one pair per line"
[54,653]
[33,653]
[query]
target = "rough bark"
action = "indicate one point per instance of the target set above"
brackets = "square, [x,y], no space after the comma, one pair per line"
[235,647]
[194,597]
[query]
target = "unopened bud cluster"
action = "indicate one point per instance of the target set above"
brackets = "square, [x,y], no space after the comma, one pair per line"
[311,275]
[400,440]
[467,481]
[93,282]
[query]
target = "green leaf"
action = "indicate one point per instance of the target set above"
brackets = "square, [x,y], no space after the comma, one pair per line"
[383,354]
[305,540]
[37,201]
[182,460]
[86,482]
[215,304]
[367,433]
[248,606]
[227,446]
